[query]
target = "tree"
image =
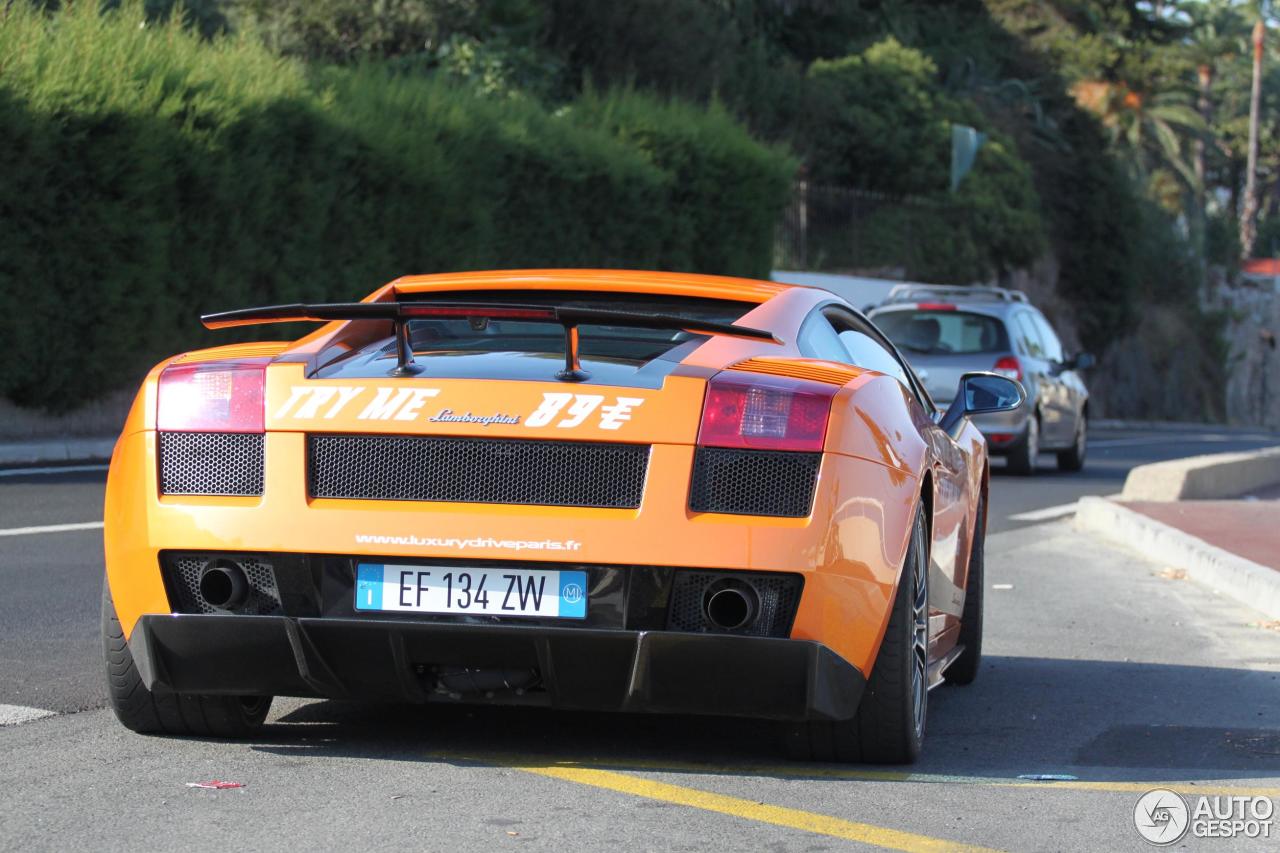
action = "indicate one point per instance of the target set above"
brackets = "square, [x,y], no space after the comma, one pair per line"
[1213,36]
[1148,126]
[1249,211]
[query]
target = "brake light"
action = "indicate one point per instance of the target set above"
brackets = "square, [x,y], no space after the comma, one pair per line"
[1009,366]
[211,397]
[765,413]
[935,306]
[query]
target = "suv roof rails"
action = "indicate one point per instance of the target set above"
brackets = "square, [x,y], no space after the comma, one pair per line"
[957,292]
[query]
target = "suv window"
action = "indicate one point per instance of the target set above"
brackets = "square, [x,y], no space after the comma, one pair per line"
[944,332]
[1027,336]
[1052,346]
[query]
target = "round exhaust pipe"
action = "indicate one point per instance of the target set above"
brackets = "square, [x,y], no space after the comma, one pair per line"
[730,605]
[223,585]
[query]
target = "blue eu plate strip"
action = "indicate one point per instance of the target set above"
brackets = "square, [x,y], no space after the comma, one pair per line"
[573,595]
[369,586]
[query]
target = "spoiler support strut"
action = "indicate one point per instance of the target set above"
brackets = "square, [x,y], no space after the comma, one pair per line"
[405,365]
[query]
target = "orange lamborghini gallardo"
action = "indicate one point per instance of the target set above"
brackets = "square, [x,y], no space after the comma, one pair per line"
[630,491]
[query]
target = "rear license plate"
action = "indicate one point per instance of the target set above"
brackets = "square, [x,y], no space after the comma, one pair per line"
[492,592]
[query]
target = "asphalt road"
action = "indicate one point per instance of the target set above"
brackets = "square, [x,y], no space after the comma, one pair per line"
[1098,667]
[1112,452]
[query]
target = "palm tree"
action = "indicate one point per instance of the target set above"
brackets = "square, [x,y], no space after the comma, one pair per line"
[1249,210]
[1150,126]
[1214,31]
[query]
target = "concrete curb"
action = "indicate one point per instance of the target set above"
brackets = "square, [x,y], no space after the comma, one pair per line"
[1209,477]
[18,453]
[1178,426]
[1244,580]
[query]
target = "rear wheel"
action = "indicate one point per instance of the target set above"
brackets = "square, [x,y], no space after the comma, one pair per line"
[964,669]
[143,711]
[889,725]
[1025,452]
[1073,459]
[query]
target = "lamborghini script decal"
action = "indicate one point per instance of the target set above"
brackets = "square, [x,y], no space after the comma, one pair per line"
[562,410]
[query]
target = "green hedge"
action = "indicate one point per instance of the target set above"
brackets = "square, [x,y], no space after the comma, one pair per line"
[147,176]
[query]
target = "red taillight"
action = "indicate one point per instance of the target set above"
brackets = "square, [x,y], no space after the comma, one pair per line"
[935,306]
[1009,366]
[765,413]
[211,397]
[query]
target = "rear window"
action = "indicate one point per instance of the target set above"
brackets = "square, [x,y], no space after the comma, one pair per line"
[943,332]
[595,341]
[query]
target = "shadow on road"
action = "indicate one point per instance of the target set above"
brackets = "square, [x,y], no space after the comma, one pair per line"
[1102,720]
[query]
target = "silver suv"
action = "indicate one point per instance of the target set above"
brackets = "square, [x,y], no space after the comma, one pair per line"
[946,331]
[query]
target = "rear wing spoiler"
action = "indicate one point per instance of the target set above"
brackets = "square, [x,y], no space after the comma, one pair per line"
[400,313]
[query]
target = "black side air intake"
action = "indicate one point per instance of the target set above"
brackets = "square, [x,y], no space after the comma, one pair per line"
[754,482]
[211,463]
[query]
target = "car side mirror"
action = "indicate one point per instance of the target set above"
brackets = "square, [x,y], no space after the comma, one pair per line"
[981,394]
[1082,361]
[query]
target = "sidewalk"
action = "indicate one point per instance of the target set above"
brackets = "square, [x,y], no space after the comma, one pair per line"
[1231,546]
[1245,528]
[65,451]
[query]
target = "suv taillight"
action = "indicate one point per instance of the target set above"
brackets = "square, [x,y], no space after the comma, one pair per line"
[1009,366]
[212,397]
[759,412]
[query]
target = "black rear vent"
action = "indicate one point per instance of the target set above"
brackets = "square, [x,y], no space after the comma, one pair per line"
[754,482]
[476,470]
[185,571]
[211,463]
[776,597]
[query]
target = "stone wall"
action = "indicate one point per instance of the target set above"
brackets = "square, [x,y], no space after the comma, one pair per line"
[1253,384]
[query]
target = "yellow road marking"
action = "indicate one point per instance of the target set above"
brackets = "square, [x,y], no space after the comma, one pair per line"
[861,775]
[834,827]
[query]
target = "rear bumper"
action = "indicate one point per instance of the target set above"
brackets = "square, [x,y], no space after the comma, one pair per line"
[1003,429]
[849,551]
[577,668]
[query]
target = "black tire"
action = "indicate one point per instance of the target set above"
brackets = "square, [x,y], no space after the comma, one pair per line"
[1025,452]
[1073,459]
[964,669]
[169,713]
[889,725]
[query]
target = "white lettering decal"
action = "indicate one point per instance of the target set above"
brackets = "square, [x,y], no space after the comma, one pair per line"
[583,405]
[345,393]
[551,405]
[410,409]
[295,393]
[319,396]
[383,406]
[611,417]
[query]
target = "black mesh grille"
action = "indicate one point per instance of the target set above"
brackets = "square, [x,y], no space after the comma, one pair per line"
[211,463]
[184,585]
[778,596]
[754,482]
[404,468]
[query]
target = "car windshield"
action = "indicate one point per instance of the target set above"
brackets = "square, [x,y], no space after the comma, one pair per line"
[624,343]
[936,332]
